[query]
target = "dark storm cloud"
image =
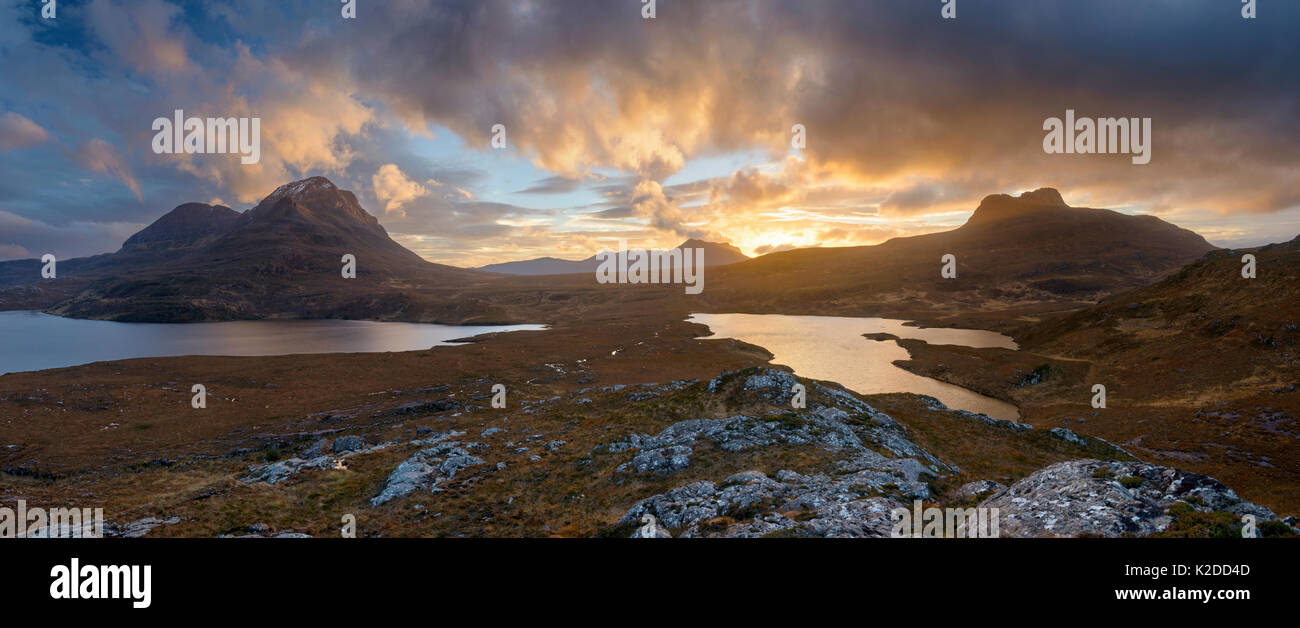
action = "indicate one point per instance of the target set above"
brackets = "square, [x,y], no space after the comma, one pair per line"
[885,89]
[906,113]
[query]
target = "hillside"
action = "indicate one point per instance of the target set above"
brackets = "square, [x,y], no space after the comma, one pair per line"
[1200,371]
[280,259]
[1016,256]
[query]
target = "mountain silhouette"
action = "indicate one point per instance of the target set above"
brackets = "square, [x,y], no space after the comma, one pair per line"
[1014,251]
[184,226]
[1016,258]
[715,254]
[282,258]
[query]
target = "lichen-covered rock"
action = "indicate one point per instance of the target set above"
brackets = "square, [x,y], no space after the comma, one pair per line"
[1068,436]
[848,424]
[1092,497]
[317,449]
[877,469]
[856,501]
[348,443]
[972,490]
[427,468]
[278,471]
[660,460]
[772,384]
[139,527]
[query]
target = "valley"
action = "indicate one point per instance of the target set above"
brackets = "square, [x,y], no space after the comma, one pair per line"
[624,406]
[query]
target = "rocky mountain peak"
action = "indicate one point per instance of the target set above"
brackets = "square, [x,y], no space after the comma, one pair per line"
[303,188]
[186,224]
[1044,196]
[1002,206]
[313,199]
[718,252]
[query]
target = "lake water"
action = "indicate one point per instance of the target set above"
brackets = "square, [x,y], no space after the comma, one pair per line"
[31,341]
[832,348]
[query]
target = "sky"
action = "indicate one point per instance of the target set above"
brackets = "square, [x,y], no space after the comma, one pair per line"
[619,127]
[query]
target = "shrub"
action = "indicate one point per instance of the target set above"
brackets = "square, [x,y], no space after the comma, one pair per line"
[1132,481]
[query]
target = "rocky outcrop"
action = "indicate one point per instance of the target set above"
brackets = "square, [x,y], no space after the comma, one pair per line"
[1068,436]
[978,489]
[854,501]
[279,470]
[1091,497]
[879,470]
[427,468]
[138,528]
[319,455]
[345,444]
[847,424]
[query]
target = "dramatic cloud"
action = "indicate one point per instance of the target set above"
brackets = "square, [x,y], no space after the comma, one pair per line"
[99,156]
[18,132]
[393,189]
[141,32]
[657,130]
[888,93]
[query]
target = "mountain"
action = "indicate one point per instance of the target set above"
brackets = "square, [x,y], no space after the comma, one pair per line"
[543,266]
[1015,256]
[715,254]
[1017,259]
[185,226]
[280,259]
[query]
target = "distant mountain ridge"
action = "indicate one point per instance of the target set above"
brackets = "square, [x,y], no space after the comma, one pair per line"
[1024,253]
[1016,257]
[280,259]
[715,254]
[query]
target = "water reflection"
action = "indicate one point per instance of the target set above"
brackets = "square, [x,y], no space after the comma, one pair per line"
[832,348]
[32,340]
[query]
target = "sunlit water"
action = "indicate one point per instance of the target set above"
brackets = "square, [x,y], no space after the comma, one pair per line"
[31,341]
[832,348]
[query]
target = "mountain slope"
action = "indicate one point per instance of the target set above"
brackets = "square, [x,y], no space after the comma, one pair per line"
[1217,326]
[1018,259]
[1015,256]
[282,258]
[184,226]
[1200,371]
[715,254]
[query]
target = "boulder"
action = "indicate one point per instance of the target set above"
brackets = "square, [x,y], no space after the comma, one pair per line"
[1091,497]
